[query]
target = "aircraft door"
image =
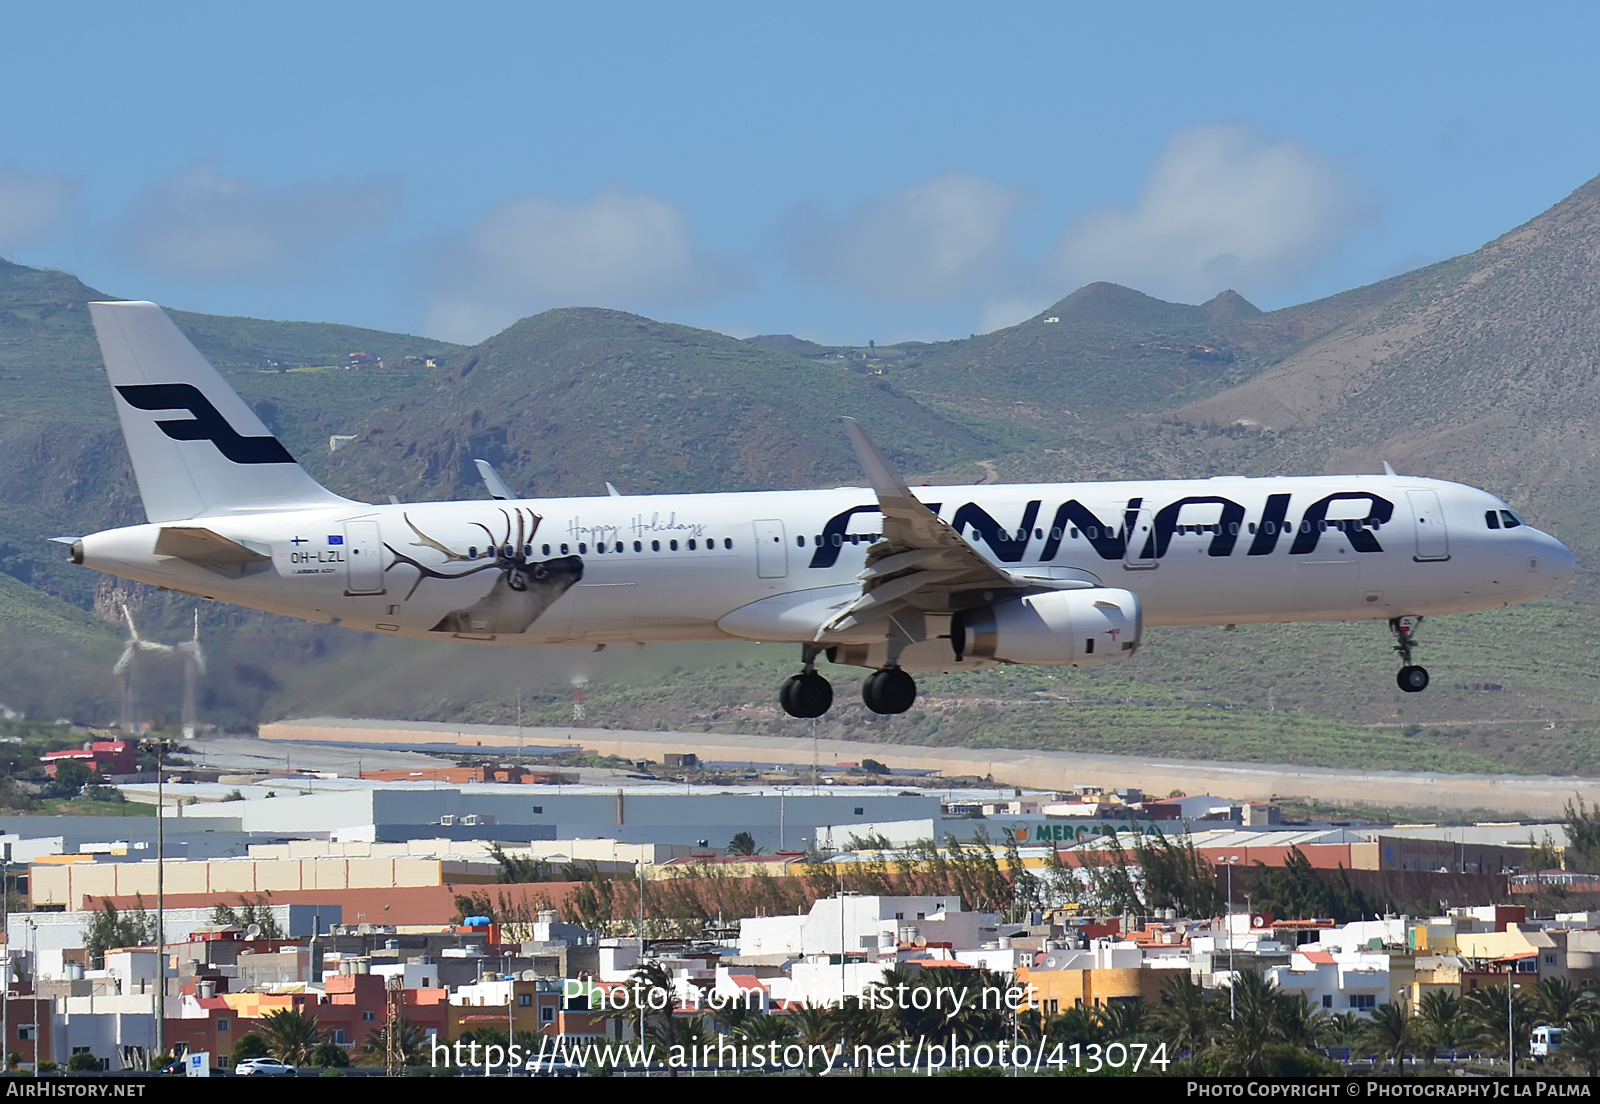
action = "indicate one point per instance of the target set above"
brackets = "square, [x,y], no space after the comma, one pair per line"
[363,555]
[772,553]
[1433,539]
[1139,550]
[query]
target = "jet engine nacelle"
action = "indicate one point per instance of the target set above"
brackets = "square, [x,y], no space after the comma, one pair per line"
[1058,628]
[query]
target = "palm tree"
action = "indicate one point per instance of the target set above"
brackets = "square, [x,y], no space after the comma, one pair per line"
[1439,1016]
[1581,1043]
[1078,1024]
[1124,1020]
[1255,1024]
[656,998]
[291,1035]
[410,1038]
[760,1030]
[1392,1031]
[1484,1011]
[858,1024]
[814,1025]
[1186,1015]
[1301,1025]
[1558,1002]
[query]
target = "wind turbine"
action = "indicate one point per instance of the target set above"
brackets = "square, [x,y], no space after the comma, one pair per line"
[194,665]
[125,665]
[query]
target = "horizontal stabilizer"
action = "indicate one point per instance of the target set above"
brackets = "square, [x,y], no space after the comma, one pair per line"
[204,546]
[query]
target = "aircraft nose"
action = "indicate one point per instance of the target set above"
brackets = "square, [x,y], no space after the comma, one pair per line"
[1556,561]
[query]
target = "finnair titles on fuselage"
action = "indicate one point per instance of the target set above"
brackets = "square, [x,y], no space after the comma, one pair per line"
[941,579]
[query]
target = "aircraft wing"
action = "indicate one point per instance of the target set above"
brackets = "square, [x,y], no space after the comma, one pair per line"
[920,559]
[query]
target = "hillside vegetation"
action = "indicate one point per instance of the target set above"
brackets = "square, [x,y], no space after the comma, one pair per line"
[1481,368]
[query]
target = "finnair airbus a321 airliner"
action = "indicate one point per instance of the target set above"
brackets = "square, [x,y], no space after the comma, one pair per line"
[879,577]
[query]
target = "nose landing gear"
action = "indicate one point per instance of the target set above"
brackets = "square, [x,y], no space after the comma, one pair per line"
[1411,678]
[808,694]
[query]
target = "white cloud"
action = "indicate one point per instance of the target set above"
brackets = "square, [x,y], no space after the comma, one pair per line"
[31,204]
[196,225]
[1224,206]
[935,242]
[532,253]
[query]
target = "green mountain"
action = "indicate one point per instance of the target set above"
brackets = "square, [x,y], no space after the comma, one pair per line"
[1480,369]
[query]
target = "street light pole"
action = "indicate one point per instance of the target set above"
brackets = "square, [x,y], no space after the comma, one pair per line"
[1511,1029]
[160,745]
[1227,922]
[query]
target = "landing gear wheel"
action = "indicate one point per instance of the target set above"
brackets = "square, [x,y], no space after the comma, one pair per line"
[806,695]
[889,691]
[1412,679]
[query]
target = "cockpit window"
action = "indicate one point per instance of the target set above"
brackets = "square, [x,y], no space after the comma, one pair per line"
[1510,520]
[1491,518]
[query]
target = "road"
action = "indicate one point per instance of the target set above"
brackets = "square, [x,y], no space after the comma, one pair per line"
[1541,797]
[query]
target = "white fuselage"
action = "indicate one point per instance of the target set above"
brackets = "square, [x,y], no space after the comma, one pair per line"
[748,565]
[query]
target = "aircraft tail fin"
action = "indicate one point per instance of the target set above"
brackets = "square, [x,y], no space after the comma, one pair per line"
[197,447]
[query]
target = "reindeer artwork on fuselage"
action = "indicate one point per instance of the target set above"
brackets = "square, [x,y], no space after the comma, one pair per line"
[523,588]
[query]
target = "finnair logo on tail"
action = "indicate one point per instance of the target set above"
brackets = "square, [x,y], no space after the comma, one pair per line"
[208,424]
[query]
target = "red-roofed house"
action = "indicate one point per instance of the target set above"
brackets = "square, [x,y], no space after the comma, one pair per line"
[105,756]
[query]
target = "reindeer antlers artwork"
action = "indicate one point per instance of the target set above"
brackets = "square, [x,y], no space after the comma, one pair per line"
[522,590]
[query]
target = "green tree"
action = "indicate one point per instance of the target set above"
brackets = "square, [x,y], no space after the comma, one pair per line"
[1439,1020]
[250,1045]
[72,775]
[1580,1045]
[1253,1027]
[517,869]
[743,843]
[1176,876]
[759,1030]
[83,1062]
[412,1043]
[1582,823]
[250,913]
[1296,891]
[1557,1002]
[1485,1013]
[813,1025]
[109,929]
[1187,1015]
[1392,1032]
[329,1055]
[291,1035]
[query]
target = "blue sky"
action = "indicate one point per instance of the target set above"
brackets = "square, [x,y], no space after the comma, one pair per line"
[844,172]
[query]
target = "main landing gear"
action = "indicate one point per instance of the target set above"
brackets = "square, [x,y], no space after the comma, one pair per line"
[809,695]
[1412,678]
[890,691]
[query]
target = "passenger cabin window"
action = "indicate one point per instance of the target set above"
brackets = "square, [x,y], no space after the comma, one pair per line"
[800,542]
[655,546]
[672,545]
[727,542]
[583,549]
[638,546]
[691,544]
[563,550]
[545,551]
[1491,518]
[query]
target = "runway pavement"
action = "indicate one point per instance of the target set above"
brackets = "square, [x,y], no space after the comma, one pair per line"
[1537,796]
